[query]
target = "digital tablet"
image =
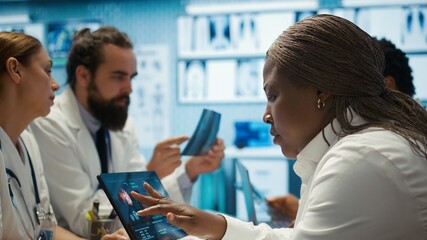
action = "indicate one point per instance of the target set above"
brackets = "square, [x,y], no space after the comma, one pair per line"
[118,187]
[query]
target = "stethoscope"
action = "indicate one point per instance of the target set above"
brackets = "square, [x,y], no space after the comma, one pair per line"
[37,209]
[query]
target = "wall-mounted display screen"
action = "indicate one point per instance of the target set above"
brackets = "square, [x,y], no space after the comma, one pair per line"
[60,37]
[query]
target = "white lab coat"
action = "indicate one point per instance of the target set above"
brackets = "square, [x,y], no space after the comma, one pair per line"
[20,222]
[71,162]
[367,185]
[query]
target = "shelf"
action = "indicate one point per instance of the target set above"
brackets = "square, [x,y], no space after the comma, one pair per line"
[220,55]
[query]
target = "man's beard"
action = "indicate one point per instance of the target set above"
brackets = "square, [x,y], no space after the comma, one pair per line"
[111,115]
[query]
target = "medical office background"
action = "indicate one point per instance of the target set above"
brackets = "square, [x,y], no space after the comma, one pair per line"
[196,54]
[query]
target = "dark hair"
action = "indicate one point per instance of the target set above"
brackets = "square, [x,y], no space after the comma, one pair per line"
[397,66]
[87,49]
[18,45]
[335,56]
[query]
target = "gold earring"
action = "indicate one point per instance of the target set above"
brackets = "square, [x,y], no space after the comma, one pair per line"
[320,104]
[267,118]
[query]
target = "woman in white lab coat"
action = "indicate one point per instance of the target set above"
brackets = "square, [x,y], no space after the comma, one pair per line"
[360,148]
[26,92]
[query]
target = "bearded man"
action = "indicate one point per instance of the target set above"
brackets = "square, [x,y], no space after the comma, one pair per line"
[88,132]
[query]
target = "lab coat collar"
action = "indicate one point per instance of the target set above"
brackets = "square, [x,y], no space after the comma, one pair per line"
[70,107]
[310,156]
[313,152]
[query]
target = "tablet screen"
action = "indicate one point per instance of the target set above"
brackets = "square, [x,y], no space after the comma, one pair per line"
[118,186]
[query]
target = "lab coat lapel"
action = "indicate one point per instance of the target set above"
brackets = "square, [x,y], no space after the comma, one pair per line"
[69,107]
[86,143]
[90,153]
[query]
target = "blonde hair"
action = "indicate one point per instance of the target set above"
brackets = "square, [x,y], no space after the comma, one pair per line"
[18,45]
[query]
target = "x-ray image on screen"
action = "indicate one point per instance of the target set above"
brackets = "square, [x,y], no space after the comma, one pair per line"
[195,80]
[244,33]
[248,78]
[60,35]
[219,27]
[200,36]
[414,30]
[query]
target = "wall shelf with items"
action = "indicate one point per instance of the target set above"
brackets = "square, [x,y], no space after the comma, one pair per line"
[221,56]
[216,42]
[229,34]
[406,27]
[221,80]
